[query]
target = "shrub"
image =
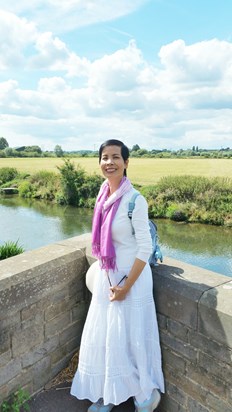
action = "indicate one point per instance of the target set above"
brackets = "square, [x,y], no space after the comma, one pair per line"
[72,178]
[7,174]
[79,189]
[26,189]
[17,400]
[45,185]
[10,249]
[175,212]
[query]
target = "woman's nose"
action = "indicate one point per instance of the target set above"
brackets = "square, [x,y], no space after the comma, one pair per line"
[110,161]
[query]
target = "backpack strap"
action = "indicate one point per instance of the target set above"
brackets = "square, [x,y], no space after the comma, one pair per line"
[131,207]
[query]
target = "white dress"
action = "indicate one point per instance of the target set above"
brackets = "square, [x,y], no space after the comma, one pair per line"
[120,351]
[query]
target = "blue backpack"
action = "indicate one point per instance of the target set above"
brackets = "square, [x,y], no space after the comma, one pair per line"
[156,252]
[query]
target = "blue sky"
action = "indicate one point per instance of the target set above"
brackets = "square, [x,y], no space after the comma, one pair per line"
[77,72]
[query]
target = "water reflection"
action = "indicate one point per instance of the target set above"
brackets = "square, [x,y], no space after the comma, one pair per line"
[38,223]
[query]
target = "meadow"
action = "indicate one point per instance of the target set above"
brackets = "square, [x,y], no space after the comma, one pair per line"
[142,171]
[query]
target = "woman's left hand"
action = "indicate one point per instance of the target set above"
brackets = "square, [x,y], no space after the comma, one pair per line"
[117,293]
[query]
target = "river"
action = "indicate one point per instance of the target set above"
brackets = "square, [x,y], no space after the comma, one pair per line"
[37,223]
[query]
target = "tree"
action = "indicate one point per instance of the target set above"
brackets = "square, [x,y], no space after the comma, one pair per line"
[58,151]
[3,143]
[135,148]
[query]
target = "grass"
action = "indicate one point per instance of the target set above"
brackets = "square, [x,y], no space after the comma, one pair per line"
[141,171]
[9,249]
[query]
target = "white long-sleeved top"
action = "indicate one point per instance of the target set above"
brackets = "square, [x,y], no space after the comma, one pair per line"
[129,246]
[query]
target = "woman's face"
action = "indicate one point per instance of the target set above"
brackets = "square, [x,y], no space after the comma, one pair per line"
[112,163]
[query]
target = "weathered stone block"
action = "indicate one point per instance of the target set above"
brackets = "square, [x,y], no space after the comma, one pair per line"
[216,404]
[4,341]
[40,351]
[162,321]
[210,346]
[182,348]
[176,393]
[56,325]
[9,322]
[5,358]
[178,330]
[173,360]
[215,313]
[195,406]
[58,354]
[215,367]
[9,371]
[79,311]
[191,387]
[24,340]
[168,404]
[209,382]
[56,309]
[74,330]
[41,373]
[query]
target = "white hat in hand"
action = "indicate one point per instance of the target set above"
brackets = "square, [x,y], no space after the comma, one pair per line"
[91,275]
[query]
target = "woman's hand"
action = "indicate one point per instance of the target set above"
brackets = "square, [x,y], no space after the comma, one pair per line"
[118,293]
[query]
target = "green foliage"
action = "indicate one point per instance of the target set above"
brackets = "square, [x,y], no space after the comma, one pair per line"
[176,212]
[58,151]
[3,143]
[7,174]
[17,401]
[79,189]
[26,189]
[9,249]
[191,198]
[72,179]
[41,185]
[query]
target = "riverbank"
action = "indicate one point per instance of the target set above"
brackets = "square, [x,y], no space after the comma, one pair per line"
[143,171]
[185,198]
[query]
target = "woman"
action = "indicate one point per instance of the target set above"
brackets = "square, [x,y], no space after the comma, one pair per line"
[120,351]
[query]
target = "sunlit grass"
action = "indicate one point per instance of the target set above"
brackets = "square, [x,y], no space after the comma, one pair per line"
[141,171]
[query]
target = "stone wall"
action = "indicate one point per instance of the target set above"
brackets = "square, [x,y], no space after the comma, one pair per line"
[43,304]
[194,309]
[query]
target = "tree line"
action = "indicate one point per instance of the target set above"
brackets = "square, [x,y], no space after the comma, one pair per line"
[135,151]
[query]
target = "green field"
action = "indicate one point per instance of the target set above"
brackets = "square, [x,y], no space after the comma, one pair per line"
[142,171]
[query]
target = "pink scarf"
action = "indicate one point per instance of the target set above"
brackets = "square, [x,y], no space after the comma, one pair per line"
[104,212]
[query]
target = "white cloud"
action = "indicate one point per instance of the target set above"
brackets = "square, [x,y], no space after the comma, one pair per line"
[71,14]
[184,101]
[15,34]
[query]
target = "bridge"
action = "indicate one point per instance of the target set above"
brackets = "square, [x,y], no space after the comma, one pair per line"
[43,305]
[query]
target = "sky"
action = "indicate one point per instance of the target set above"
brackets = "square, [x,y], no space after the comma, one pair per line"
[157,73]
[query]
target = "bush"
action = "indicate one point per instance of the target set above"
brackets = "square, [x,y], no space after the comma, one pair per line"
[72,178]
[7,174]
[191,198]
[26,189]
[79,189]
[175,212]
[17,400]
[41,185]
[10,249]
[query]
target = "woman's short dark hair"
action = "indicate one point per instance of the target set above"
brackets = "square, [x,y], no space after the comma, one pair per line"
[113,142]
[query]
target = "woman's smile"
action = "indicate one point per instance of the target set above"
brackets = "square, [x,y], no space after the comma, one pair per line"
[112,162]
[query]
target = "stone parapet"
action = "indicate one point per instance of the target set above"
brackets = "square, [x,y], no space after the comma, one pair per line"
[43,305]
[195,317]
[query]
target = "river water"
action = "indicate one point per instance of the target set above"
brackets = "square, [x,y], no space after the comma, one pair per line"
[36,223]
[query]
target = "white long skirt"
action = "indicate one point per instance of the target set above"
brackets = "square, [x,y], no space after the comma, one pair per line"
[120,352]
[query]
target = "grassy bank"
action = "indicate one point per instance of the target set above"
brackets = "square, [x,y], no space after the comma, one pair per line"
[141,171]
[181,197]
